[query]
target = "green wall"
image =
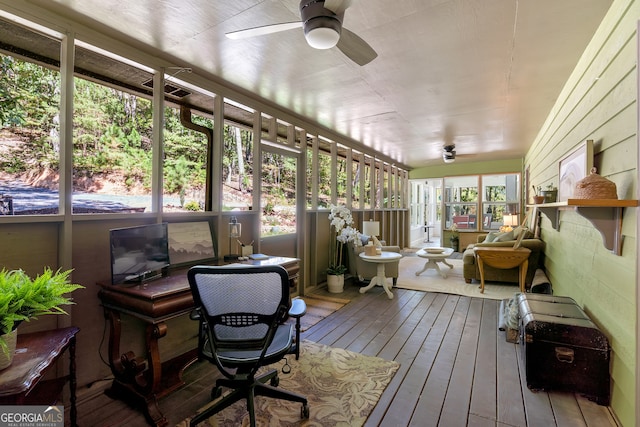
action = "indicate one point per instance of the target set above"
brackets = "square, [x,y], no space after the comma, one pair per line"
[461,168]
[598,102]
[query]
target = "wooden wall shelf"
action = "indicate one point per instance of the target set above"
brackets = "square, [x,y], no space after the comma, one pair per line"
[604,214]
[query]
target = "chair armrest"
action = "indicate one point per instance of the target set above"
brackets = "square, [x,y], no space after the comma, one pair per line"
[298,308]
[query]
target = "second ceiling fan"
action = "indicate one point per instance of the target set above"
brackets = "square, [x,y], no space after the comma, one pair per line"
[321,21]
[449,153]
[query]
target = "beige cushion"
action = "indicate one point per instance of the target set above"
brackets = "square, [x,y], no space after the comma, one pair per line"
[516,231]
[503,237]
[491,237]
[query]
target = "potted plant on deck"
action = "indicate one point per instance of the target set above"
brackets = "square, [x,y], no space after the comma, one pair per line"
[454,237]
[23,299]
[342,224]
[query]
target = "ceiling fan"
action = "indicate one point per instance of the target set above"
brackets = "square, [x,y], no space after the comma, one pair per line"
[449,153]
[322,25]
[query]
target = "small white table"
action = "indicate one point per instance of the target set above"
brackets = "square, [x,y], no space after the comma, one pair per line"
[380,278]
[435,256]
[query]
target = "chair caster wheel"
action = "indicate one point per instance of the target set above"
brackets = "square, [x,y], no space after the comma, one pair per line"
[216,392]
[304,412]
[275,381]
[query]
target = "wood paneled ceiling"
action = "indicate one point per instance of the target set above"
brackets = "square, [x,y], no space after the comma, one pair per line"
[482,74]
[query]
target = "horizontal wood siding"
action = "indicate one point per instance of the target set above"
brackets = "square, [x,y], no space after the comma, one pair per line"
[598,102]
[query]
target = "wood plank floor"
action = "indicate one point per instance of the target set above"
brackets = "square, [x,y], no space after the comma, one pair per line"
[456,369]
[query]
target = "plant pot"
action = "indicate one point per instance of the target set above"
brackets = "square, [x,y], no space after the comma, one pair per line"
[335,283]
[6,358]
[550,196]
[538,200]
[454,244]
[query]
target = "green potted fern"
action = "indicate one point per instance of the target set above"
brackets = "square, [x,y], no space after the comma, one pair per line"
[23,299]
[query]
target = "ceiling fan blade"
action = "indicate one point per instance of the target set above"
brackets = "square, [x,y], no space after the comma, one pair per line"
[355,48]
[337,6]
[265,29]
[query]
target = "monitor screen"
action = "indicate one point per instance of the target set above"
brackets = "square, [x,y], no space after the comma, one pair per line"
[190,243]
[139,254]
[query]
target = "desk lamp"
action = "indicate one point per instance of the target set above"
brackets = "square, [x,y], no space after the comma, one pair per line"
[235,231]
[372,228]
[508,222]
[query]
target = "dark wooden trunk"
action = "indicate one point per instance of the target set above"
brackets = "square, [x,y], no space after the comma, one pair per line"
[562,348]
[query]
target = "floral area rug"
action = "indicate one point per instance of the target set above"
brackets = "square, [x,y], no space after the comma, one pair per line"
[342,388]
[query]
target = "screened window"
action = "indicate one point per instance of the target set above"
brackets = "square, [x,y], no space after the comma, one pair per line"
[237,172]
[324,179]
[461,202]
[369,180]
[309,178]
[278,193]
[501,196]
[185,161]
[29,129]
[341,184]
[470,209]
[357,168]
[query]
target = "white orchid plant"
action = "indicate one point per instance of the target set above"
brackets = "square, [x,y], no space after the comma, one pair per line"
[342,222]
[454,232]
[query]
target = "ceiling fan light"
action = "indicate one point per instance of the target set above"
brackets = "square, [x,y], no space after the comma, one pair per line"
[322,37]
[449,156]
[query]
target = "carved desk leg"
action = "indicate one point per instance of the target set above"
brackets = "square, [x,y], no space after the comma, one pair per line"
[132,380]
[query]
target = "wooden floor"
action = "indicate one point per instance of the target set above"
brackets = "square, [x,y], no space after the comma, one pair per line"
[456,369]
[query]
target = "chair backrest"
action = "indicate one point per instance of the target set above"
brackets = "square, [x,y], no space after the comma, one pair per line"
[242,305]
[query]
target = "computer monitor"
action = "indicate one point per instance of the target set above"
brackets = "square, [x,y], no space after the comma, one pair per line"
[139,254]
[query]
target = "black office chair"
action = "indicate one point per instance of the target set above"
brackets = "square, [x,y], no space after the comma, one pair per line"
[241,311]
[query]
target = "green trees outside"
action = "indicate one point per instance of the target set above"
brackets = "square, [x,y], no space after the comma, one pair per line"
[112,141]
[111,136]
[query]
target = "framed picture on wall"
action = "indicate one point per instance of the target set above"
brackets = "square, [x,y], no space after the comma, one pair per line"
[573,168]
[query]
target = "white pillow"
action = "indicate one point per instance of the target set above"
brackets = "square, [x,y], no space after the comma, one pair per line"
[491,237]
[505,237]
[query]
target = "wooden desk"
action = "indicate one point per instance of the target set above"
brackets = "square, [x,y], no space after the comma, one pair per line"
[503,258]
[141,380]
[36,353]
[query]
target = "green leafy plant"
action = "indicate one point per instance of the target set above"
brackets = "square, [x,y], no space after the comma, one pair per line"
[23,298]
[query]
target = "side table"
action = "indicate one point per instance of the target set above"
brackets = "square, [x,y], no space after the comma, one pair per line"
[503,258]
[434,256]
[36,353]
[380,278]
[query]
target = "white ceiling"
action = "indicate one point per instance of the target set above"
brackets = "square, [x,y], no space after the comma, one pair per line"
[480,73]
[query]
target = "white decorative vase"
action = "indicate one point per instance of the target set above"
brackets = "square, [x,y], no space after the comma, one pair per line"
[335,283]
[6,358]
